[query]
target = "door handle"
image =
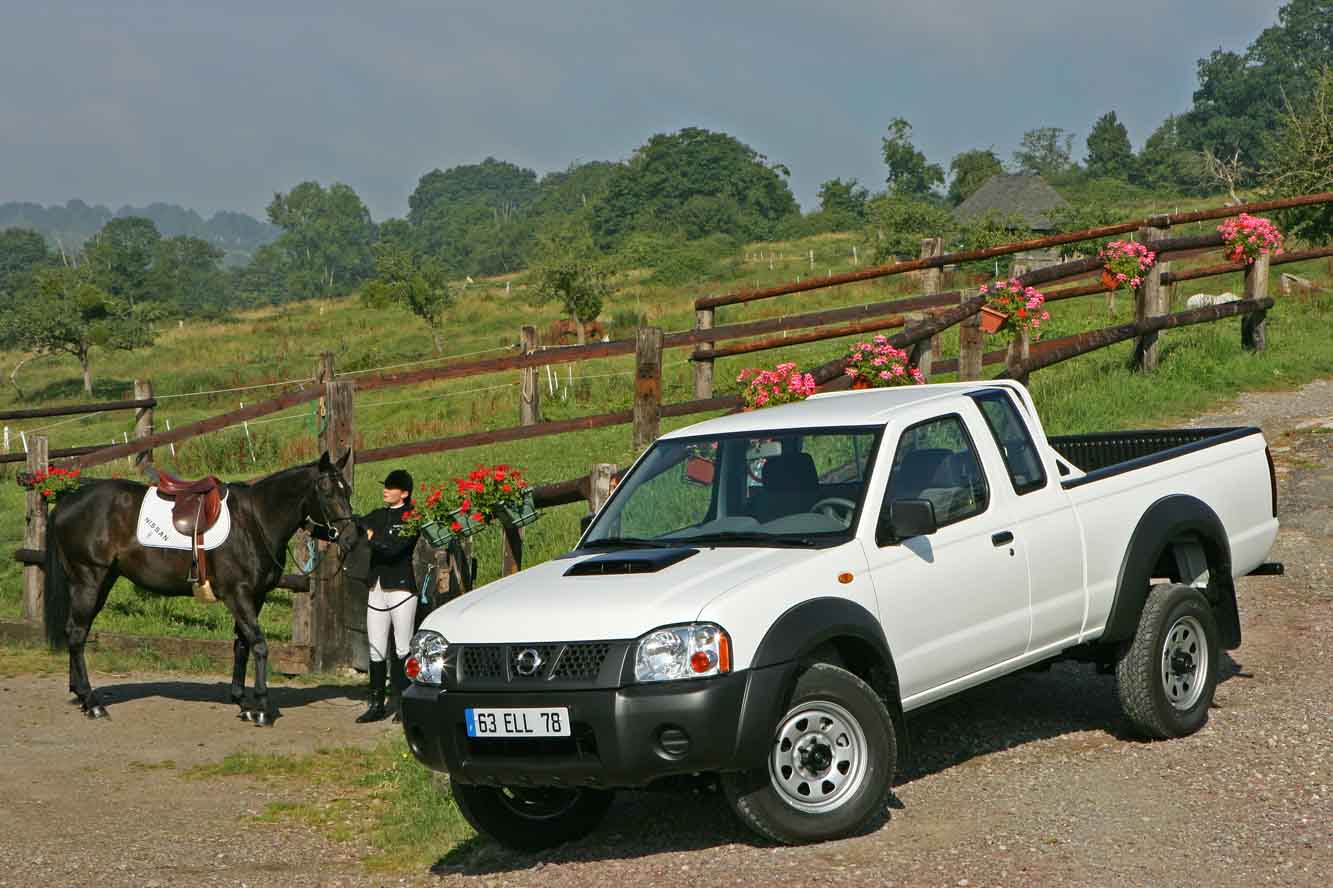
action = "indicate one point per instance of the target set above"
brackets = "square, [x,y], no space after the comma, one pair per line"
[1003,538]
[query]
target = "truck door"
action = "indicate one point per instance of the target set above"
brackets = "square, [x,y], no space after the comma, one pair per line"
[1045,525]
[954,602]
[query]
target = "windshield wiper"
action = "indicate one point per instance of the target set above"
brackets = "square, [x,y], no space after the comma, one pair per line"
[626,542]
[736,536]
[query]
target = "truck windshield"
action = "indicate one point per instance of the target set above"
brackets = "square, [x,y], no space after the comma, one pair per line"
[783,487]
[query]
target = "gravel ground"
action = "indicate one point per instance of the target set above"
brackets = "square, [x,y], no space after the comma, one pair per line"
[1030,780]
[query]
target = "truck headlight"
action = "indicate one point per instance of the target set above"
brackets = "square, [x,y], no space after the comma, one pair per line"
[425,658]
[695,650]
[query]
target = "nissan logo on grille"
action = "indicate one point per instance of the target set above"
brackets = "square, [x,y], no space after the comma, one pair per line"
[528,661]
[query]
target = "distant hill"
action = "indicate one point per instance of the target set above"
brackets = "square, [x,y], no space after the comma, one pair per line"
[237,234]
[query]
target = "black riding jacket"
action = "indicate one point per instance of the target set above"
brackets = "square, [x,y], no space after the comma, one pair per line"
[390,549]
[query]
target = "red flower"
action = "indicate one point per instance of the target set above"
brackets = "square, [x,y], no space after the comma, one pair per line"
[455,526]
[506,488]
[478,517]
[498,475]
[465,504]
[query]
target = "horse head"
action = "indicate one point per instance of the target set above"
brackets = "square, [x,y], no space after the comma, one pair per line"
[332,506]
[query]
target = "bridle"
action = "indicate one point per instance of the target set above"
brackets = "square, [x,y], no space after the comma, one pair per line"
[332,523]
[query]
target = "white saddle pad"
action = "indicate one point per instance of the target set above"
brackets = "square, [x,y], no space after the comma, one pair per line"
[156,530]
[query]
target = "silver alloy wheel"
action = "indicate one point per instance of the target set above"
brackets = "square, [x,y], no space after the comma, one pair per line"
[1184,663]
[819,759]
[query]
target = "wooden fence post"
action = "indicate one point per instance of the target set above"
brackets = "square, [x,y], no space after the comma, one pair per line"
[337,622]
[647,386]
[143,421]
[511,550]
[34,535]
[1253,329]
[1017,355]
[1151,300]
[304,630]
[932,280]
[970,343]
[703,364]
[600,485]
[530,390]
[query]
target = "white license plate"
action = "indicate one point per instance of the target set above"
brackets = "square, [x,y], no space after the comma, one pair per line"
[552,722]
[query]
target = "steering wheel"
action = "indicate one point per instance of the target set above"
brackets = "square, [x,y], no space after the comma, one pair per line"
[827,504]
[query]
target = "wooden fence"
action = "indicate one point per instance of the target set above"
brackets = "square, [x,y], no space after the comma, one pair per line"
[324,622]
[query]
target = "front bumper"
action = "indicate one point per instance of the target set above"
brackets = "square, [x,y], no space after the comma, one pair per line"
[621,737]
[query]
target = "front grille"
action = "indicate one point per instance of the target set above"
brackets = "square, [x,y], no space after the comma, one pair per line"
[582,661]
[483,661]
[494,665]
[518,662]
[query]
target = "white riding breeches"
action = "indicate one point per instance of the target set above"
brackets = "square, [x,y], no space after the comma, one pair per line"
[390,607]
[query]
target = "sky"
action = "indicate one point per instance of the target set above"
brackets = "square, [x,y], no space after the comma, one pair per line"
[219,105]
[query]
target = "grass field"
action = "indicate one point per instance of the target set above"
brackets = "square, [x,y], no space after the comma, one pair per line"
[1200,365]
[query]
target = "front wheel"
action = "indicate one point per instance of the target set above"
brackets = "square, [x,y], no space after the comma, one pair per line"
[1166,676]
[830,769]
[532,819]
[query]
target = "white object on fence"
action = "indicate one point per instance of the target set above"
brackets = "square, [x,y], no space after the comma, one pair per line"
[24,438]
[1202,300]
[855,259]
[812,260]
[129,458]
[248,440]
[171,444]
[6,439]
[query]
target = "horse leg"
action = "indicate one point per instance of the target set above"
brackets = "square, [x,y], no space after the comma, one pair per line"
[240,650]
[247,624]
[87,595]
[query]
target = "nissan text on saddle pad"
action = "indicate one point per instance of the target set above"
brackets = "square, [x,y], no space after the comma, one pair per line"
[766,596]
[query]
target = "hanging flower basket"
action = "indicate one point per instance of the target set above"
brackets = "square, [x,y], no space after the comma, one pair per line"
[520,515]
[878,364]
[992,319]
[1109,281]
[437,534]
[861,382]
[466,524]
[768,388]
[1125,264]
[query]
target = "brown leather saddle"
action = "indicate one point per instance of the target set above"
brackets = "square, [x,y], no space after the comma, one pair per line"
[195,508]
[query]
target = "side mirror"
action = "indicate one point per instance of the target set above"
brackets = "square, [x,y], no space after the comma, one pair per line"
[908,518]
[585,522]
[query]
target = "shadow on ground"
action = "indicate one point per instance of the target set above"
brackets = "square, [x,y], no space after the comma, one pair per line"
[1026,707]
[280,696]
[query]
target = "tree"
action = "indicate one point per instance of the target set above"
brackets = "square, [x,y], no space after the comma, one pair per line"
[848,199]
[898,224]
[910,174]
[187,274]
[571,273]
[409,281]
[22,250]
[498,184]
[744,195]
[119,257]
[65,311]
[970,170]
[1300,160]
[1045,151]
[1167,163]
[326,238]
[1109,153]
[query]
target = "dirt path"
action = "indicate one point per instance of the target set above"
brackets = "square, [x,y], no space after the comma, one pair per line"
[1027,781]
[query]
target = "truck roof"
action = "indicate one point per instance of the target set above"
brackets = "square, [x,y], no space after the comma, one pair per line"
[832,409]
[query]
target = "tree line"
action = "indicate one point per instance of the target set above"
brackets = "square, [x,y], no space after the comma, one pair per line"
[678,205]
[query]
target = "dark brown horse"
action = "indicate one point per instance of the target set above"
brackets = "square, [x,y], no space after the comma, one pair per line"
[91,543]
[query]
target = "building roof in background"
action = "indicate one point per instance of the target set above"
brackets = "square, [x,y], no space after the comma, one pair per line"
[1014,194]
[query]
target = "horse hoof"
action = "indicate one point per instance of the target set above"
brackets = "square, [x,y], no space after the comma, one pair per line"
[97,710]
[246,715]
[263,720]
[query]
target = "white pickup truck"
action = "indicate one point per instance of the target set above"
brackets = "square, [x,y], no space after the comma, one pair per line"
[766,595]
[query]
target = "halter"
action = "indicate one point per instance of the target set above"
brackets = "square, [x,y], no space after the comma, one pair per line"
[331,525]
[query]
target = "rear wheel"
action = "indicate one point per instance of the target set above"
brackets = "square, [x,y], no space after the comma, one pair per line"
[532,818]
[1166,676]
[830,768]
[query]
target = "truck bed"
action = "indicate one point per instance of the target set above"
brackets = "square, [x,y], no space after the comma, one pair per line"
[1102,454]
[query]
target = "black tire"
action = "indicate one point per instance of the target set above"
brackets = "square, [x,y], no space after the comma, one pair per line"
[763,805]
[1180,617]
[532,818]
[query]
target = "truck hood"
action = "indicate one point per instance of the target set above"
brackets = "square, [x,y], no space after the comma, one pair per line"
[543,604]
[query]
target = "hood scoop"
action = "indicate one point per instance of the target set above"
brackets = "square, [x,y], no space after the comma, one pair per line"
[634,561]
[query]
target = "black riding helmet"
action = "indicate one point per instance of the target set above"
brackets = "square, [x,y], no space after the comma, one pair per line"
[399,479]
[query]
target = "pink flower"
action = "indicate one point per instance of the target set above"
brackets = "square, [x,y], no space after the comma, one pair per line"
[883,374]
[851,371]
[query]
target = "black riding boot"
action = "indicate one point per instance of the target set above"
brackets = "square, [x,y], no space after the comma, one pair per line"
[400,682]
[375,712]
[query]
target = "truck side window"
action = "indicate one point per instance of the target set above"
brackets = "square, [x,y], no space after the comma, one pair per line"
[1015,442]
[936,461]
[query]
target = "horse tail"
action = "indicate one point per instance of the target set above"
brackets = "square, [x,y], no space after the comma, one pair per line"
[55,596]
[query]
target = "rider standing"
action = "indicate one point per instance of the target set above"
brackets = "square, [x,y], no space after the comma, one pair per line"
[392,602]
